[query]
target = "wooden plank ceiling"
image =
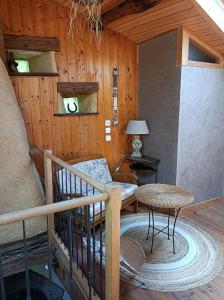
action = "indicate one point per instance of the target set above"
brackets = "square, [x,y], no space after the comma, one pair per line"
[166,16]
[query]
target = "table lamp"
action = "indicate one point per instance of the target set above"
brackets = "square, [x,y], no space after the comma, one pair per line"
[136,128]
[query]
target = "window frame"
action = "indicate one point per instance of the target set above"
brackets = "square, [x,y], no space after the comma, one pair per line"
[183,41]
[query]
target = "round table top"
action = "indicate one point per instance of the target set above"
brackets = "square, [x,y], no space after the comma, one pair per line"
[164,195]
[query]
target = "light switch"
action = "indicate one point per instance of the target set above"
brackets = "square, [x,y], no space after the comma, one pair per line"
[107,130]
[108,137]
[107,122]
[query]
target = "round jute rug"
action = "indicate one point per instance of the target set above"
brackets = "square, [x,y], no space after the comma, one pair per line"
[196,262]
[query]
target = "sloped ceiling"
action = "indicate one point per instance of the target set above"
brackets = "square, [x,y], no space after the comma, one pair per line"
[166,16]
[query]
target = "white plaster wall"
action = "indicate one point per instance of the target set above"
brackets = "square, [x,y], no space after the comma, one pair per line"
[200,159]
[159,96]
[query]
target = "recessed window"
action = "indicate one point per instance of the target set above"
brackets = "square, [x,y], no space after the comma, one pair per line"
[198,53]
[24,61]
[23,66]
[71,105]
[77,98]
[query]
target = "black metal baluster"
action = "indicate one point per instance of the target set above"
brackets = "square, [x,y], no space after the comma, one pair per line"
[75,184]
[60,192]
[65,218]
[62,184]
[2,285]
[28,292]
[59,187]
[89,272]
[75,223]
[82,226]
[81,237]
[58,198]
[80,186]
[76,238]
[70,185]
[55,192]
[101,252]
[70,247]
[49,250]
[94,250]
[87,193]
[62,215]
[66,183]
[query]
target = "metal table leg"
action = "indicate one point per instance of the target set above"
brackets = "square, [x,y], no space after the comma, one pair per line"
[174,226]
[153,228]
[149,226]
[162,230]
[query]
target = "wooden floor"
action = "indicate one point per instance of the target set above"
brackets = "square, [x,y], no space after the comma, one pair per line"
[211,219]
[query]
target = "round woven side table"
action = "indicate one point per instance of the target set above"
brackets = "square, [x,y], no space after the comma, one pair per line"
[163,196]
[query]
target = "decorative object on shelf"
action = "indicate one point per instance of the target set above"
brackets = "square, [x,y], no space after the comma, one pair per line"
[11,62]
[71,104]
[115,95]
[77,98]
[89,12]
[137,127]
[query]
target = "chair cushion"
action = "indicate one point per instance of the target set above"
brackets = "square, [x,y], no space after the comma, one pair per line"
[127,189]
[96,168]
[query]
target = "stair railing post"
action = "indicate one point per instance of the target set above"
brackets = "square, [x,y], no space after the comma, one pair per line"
[112,240]
[49,185]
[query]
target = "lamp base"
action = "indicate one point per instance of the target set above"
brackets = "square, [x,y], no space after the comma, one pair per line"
[136,145]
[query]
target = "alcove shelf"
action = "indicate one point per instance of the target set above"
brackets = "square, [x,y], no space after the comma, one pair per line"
[33,74]
[75,114]
[31,55]
[77,99]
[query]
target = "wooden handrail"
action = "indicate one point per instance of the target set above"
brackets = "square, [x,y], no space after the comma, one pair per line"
[48,209]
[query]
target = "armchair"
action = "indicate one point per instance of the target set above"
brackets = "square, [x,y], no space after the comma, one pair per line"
[97,168]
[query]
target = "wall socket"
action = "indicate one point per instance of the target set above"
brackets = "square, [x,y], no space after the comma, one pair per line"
[107,130]
[108,138]
[107,122]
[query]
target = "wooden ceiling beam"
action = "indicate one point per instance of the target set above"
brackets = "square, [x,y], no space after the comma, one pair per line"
[126,8]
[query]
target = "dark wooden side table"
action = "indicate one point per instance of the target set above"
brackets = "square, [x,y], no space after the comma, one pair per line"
[144,164]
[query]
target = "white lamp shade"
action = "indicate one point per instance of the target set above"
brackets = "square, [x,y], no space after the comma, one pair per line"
[137,127]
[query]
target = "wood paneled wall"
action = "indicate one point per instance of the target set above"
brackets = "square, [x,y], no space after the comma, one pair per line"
[71,137]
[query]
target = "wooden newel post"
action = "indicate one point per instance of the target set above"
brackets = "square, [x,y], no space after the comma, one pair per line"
[49,184]
[112,223]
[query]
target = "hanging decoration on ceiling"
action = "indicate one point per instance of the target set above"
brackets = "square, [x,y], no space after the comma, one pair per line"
[115,96]
[86,12]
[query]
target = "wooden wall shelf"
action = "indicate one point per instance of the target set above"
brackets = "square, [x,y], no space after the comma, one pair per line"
[33,74]
[31,43]
[76,114]
[72,88]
